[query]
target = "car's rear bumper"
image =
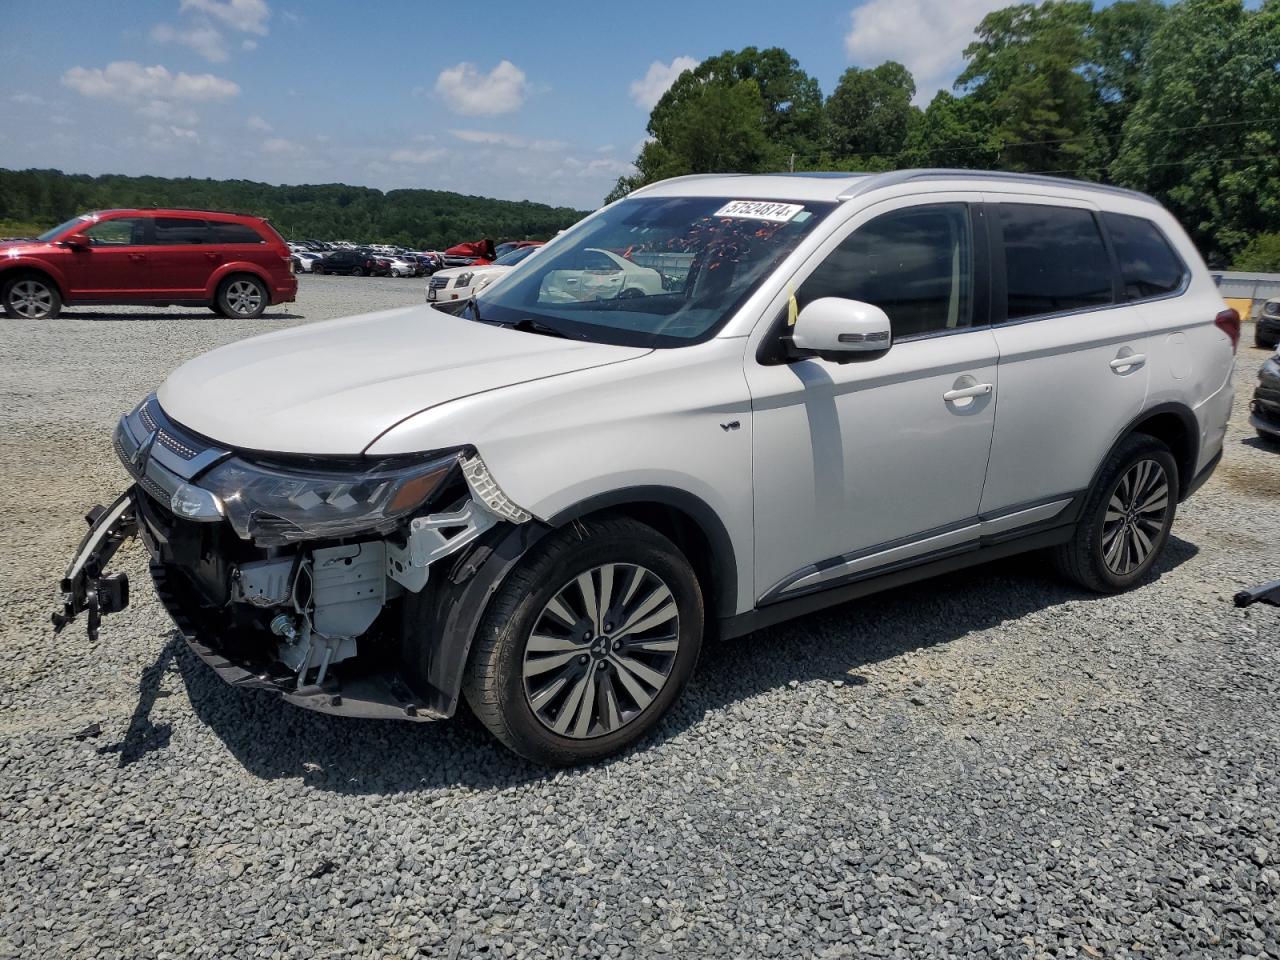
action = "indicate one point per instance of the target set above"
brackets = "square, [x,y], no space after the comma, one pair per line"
[285,291]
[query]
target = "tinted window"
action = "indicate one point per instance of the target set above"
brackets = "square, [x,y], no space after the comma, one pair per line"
[180,230]
[1055,260]
[122,232]
[915,264]
[1148,265]
[234,233]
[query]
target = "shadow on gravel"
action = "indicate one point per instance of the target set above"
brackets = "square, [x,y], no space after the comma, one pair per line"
[161,317]
[143,736]
[276,740]
[1271,446]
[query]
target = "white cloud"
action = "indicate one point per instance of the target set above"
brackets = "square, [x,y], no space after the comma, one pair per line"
[257,123]
[417,156]
[281,147]
[166,112]
[204,40]
[247,16]
[469,92]
[249,45]
[927,36]
[510,140]
[162,134]
[648,90]
[28,98]
[129,81]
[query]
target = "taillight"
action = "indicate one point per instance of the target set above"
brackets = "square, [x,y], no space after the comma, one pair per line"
[1228,321]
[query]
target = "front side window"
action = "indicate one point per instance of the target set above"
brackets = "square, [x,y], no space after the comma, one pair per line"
[1055,260]
[121,232]
[180,231]
[1148,265]
[915,264]
[652,271]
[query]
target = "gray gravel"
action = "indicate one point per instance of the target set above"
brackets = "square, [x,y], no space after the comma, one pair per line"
[992,764]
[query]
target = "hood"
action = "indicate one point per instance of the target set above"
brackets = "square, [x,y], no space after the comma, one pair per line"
[334,387]
[452,272]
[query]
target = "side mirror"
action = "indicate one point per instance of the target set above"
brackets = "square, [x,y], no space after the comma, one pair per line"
[841,330]
[77,241]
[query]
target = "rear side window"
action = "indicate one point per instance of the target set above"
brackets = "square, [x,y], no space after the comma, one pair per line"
[914,264]
[180,230]
[1148,265]
[234,233]
[1055,260]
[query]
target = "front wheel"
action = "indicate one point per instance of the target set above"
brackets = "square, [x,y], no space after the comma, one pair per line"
[587,643]
[1126,519]
[31,297]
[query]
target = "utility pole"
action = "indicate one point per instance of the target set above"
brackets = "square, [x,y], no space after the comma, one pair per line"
[791,168]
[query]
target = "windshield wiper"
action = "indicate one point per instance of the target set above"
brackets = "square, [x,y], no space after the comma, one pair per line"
[530,325]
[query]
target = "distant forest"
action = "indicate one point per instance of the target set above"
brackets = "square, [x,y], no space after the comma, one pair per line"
[428,219]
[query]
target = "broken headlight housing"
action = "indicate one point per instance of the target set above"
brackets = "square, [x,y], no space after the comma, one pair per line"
[276,503]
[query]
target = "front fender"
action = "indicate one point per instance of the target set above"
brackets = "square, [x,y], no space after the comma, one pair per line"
[17,264]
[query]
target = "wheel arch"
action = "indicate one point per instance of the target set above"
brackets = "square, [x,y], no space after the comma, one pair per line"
[229,270]
[1175,425]
[20,267]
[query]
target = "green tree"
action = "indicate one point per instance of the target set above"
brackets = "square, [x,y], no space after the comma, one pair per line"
[953,132]
[1203,134]
[1261,255]
[870,111]
[1028,68]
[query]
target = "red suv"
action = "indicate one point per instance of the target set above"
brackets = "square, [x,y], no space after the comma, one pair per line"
[236,265]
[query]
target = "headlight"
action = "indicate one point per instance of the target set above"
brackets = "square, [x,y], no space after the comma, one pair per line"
[484,281]
[464,280]
[275,504]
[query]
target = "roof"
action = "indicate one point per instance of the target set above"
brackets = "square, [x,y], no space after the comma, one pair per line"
[834,187]
[168,211]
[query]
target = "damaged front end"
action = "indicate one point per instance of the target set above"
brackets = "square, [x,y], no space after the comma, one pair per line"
[309,576]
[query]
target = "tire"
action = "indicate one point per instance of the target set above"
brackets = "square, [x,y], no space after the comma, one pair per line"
[357,271]
[1262,344]
[1107,554]
[630,293]
[318,270]
[655,663]
[31,296]
[1270,439]
[241,297]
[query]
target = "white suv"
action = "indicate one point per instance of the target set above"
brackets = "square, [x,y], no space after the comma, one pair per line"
[543,500]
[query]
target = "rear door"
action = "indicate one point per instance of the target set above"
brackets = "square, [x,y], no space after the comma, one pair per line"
[183,257]
[1073,353]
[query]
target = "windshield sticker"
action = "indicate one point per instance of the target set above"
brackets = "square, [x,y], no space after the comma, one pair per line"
[759,210]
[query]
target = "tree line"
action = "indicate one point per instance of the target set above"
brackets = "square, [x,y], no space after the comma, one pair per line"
[1181,101]
[422,219]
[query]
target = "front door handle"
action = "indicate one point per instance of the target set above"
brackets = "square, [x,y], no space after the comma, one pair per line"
[137,257]
[1128,361]
[966,393]
[213,256]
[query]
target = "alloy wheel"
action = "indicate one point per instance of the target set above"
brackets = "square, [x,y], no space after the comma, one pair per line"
[31,299]
[601,650]
[244,297]
[1135,516]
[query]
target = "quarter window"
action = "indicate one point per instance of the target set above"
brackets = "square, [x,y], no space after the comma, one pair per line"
[234,233]
[121,232]
[1148,265]
[180,231]
[914,264]
[1055,260]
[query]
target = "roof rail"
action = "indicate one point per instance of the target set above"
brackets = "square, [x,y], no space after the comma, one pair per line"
[688,176]
[895,177]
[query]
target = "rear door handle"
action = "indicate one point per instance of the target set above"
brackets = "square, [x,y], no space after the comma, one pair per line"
[1125,362]
[965,393]
[213,256]
[137,257]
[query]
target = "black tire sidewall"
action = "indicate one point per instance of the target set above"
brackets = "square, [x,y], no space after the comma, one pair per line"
[548,574]
[1139,448]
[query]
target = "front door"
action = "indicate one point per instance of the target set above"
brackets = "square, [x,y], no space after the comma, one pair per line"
[861,466]
[115,266]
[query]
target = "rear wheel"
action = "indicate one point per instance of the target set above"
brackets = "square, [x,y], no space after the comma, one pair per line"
[30,296]
[241,297]
[357,271]
[587,643]
[1126,519]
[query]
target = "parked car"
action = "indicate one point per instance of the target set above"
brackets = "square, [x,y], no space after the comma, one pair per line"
[601,275]
[304,261]
[462,283]
[355,263]
[502,249]
[541,504]
[1265,408]
[1266,333]
[403,266]
[236,265]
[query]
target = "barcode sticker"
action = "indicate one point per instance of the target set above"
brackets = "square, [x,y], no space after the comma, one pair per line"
[759,210]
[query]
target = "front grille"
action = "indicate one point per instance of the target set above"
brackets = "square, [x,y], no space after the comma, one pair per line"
[438,283]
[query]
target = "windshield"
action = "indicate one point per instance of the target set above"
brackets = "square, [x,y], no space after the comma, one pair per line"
[512,257]
[653,271]
[60,229]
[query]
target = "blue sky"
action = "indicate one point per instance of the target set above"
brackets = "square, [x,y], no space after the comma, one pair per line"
[541,101]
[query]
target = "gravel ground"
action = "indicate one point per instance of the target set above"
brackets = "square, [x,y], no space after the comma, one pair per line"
[991,764]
